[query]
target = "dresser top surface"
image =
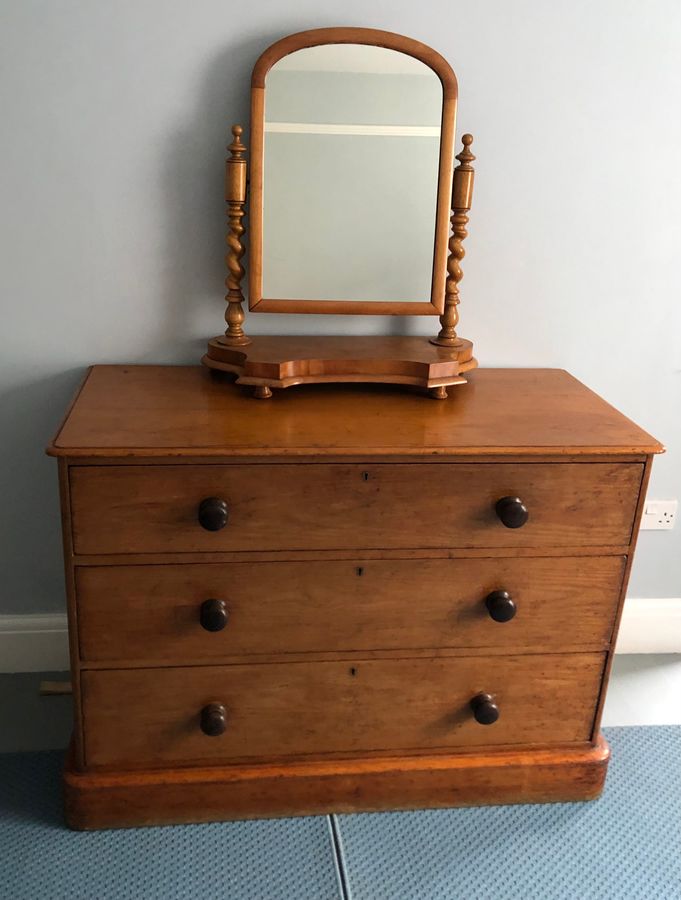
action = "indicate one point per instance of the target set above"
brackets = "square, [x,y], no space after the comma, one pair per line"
[187,411]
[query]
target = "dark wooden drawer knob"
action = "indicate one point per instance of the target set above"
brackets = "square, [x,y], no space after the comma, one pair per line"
[484,708]
[213,513]
[213,719]
[214,615]
[512,512]
[500,606]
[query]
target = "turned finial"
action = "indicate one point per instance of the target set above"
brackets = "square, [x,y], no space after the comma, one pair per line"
[237,148]
[466,157]
[462,189]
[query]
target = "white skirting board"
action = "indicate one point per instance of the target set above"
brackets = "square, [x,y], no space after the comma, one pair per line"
[38,642]
[650,626]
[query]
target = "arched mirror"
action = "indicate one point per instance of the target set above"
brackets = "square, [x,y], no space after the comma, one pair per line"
[346,211]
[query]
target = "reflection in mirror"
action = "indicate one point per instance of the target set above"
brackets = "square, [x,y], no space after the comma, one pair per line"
[350,177]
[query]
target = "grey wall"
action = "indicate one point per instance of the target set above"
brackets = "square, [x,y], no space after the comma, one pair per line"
[114,120]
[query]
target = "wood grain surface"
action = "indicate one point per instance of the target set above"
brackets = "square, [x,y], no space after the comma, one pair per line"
[173,796]
[153,613]
[159,411]
[293,360]
[151,509]
[360,544]
[150,717]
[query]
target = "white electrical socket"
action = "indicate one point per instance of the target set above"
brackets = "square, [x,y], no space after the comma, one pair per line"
[659,515]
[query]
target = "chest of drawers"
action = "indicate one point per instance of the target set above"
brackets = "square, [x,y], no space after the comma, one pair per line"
[344,599]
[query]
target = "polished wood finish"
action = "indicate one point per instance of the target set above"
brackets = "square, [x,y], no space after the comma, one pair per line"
[310,708]
[145,412]
[623,593]
[155,613]
[462,199]
[71,606]
[327,647]
[343,506]
[373,37]
[176,796]
[285,361]
[235,196]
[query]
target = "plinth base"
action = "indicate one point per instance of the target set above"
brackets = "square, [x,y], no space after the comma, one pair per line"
[280,361]
[173,796]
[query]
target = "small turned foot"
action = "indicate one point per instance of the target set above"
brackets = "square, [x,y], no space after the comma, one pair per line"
[262,392]
[439,393]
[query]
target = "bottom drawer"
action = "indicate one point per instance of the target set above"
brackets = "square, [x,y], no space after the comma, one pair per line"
[153,717]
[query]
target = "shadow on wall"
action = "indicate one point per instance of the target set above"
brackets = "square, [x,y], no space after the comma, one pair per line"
[192,178]
[32,570]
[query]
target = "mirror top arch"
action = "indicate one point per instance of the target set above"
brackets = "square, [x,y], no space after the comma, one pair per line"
[288,186]
[373,37]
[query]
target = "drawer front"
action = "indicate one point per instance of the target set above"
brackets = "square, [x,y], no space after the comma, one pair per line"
[152,717]
[154,509]
[167,612]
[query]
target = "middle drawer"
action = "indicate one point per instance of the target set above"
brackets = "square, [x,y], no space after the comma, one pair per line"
[166,612]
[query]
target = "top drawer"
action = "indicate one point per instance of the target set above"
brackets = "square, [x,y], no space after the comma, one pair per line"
[155,509]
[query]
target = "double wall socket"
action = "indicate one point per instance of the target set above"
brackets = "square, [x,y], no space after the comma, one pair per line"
[659,515]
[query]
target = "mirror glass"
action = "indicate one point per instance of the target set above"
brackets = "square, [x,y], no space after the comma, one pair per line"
[350,175]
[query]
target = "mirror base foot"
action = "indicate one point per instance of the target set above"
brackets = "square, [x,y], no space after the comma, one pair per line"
[262,392]
[439,393]
[283,361]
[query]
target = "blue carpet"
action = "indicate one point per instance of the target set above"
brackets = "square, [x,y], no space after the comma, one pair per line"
[625,846]
[40,859]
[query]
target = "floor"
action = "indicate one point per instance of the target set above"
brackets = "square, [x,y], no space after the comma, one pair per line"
[625,845]
[31,721]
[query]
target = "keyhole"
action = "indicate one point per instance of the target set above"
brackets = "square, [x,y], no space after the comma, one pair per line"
[360,571]
[365,476]
[353,671]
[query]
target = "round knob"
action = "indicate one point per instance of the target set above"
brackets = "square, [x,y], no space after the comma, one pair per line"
[512,512]
[213,719]
[484,708]
[214,615]
[500,606]
[213,514]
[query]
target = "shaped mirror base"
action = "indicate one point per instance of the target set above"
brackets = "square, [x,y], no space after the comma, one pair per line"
[281,361]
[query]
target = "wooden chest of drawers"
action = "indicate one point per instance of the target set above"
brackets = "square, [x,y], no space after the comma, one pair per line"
[343,599]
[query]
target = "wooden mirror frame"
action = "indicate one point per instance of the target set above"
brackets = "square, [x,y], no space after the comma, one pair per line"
[374,38]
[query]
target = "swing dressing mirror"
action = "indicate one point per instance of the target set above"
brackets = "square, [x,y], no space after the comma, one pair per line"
[354,207]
